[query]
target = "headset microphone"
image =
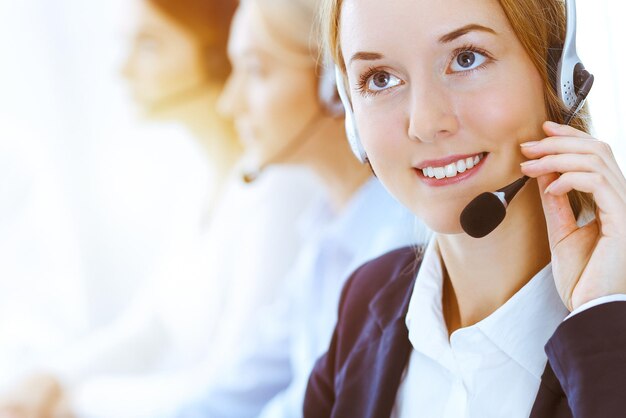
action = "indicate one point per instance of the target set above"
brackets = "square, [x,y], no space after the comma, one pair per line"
[573,83]
[297,142]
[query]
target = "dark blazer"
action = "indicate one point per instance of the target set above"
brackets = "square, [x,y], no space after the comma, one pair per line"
[360,374]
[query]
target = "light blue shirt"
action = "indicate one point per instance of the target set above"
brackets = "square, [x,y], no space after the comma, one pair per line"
[270,376]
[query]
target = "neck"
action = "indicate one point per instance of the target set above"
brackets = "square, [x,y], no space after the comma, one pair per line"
[481,275]
[329,156]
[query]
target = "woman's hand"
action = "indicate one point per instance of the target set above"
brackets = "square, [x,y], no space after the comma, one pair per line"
[39,396]
[590,261]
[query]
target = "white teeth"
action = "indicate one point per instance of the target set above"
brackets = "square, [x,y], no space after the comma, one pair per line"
[452,169]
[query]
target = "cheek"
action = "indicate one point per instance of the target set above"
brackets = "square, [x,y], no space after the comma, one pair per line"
[384,136]
[172,72]
[383,133]
[505,114]
[279,109]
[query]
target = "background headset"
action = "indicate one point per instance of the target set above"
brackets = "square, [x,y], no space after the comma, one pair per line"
[573,84]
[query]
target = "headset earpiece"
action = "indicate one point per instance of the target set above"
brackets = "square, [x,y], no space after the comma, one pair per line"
[351,129]
[327,92]
[573,82]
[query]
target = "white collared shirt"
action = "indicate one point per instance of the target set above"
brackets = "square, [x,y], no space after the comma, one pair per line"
[490,369]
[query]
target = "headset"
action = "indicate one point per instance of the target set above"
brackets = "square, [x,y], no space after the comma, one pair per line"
[573,83]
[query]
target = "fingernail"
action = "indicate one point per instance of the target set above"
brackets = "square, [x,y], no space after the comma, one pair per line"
[529,144]
[553,125]
[527,163]
[548,189]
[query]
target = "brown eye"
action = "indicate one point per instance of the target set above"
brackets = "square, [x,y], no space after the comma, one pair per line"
[466,59]
[382,80]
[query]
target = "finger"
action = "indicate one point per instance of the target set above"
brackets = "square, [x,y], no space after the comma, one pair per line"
[12,412]
[611,206]
[569,145]
[566,144]
[564,163]
[556,129]
[560,219]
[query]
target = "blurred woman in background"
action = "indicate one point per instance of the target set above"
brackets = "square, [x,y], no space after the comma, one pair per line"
[285,105]
[176,69]
[147,361]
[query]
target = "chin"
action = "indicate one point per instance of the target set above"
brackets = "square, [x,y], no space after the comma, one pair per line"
[443,221]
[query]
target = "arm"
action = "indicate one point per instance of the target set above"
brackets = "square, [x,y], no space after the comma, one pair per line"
[320,392]
[588,356]
[320,396]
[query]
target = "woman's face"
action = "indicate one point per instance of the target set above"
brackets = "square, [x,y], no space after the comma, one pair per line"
[165,64]
[442,86]
[270,99]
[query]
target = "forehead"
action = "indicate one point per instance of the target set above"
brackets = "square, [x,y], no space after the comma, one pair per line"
[370,25]
[248,35]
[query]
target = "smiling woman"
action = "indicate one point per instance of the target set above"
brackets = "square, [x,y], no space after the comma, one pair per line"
[466,103]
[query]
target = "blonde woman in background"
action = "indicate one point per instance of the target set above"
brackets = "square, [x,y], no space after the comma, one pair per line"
[147,362]
[286,110]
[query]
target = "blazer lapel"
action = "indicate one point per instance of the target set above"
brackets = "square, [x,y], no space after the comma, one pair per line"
[376,367]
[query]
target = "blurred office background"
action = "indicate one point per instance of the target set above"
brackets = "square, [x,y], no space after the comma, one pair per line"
[89,193]
[89,190]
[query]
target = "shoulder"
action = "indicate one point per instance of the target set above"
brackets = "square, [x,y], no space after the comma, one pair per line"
[374,293]
[390,275]
[374,275]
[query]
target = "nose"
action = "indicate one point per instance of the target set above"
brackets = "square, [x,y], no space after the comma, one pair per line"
[431,115]
[230,102]
[126,69]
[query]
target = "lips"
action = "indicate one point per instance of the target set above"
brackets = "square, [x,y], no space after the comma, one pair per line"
[457,166]
[450,170]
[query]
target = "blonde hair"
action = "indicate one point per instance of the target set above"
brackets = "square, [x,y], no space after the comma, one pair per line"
[292,24]
[540,27]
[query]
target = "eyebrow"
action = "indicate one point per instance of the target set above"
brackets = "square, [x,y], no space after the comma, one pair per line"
[366,56]
[449,37]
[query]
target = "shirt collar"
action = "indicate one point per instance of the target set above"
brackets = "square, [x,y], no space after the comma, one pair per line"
[520,328]
[427,329]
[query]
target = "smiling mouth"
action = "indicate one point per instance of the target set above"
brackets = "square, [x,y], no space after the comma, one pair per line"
[453,169]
